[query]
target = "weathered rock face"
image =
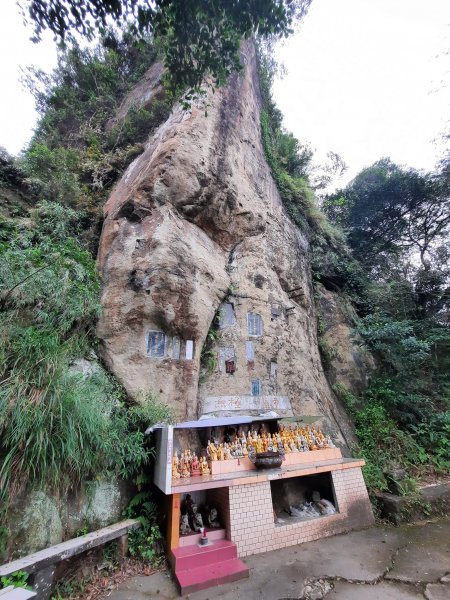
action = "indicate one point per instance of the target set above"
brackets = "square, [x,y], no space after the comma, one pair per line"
[41,518]
[351,363]
[196,222]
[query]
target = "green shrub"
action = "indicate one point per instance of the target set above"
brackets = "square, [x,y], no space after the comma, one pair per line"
[57,425]
[18,579]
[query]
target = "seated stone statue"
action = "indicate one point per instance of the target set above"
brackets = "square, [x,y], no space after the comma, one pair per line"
[213,522]
[185,528]
[197,519]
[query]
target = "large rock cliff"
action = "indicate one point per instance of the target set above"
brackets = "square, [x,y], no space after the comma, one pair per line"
[195,232]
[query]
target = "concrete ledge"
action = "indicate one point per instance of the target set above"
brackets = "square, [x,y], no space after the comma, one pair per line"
[428,502]
[249,477]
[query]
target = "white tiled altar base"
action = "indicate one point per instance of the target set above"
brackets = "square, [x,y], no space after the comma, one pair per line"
[247,513]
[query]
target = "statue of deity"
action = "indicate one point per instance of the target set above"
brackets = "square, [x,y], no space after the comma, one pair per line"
[212,451]
[220,452]
[259,444]
[204,466]
[197,520]
[175,466]
[185,528]
[226,452]
[195,466]
[185,470]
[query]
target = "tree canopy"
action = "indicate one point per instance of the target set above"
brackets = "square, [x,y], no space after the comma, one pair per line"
[199,38]
[389,211]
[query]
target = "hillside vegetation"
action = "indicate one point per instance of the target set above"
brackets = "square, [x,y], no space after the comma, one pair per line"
[63,418]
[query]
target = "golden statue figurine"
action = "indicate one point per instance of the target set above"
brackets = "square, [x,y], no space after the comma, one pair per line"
[204,466]
[226,452]
[220,452]
[185,472]
[259,444]
[175,466]
[195,466]
[212,451]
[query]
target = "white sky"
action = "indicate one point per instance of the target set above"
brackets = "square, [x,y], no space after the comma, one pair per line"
[366,79]
[369,78]
[17,114]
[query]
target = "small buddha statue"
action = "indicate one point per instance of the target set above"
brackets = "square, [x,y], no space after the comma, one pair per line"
[195,466]
[293,447]
[244,450]
[205,470]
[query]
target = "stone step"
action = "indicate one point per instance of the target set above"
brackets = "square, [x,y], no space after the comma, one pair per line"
[191,557]
[194,538]
[202,578]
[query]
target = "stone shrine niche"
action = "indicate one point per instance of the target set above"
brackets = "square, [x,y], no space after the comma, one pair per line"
[227,356]
[156,344]
[230,367]
[227,318]
[254,324]
[275,312]
[256,387]
[176,348]
[161,345]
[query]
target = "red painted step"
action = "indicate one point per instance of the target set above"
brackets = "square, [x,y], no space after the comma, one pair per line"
[191,557]
[202,578]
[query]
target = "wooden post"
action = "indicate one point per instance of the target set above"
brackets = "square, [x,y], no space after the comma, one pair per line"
[122,547]
[173,533]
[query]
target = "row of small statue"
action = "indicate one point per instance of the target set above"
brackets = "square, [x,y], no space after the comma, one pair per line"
[193,520]
[189,464]
[287,439]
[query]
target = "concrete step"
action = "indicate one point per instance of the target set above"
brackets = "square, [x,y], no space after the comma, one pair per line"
[191,557]
[202,578]
[194,538]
